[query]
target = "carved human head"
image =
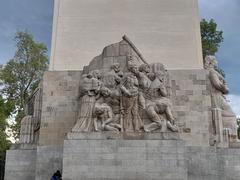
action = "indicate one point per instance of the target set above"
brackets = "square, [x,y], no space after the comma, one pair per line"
[98,109]
[116,67]
[160,75]
[132,67]
[96,74]
[210,62]
[144,68]
[151,76]
[105,92]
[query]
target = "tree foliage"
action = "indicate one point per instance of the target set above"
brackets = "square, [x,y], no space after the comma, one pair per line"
[5,111]
[211,37]
[22,74]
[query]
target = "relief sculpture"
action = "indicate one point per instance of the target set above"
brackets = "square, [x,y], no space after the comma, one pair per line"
[89,90]
[123,93]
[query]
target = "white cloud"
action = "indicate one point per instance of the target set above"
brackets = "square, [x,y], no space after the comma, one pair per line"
[234,101]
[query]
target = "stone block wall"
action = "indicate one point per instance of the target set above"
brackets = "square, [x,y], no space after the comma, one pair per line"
[191,101]
[60,105]
[124,160]
[189,94]
[49,159]
[20,164]
[210,163]
[59,113]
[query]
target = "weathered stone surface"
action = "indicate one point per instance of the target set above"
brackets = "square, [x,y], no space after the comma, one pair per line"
[21,163]
[146,159]
[223,115]
[191,109]
[59,113]
[60,105]
[124,159]
[48,160]
[121,136]
[209,163]
[30,124]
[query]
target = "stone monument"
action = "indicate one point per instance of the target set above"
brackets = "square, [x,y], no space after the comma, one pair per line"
[124,115]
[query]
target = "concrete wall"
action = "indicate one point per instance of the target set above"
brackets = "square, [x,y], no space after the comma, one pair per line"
[166,31]
[20,164]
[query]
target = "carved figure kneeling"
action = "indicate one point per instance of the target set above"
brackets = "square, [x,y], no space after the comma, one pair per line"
[104,120]
[155,110]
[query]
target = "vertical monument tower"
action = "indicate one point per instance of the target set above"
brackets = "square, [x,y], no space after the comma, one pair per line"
[166,31]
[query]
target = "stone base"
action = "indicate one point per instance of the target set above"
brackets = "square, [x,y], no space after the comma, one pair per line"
[210,163]
[49,159]
[127,156]
[21,162]
[134,156]
[143,157]
[106,135]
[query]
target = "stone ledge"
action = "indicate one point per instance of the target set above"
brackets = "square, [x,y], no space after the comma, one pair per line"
[23,146]
[125,135]
[235,145]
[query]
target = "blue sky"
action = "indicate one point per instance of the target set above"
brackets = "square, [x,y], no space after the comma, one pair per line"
[18,15]
[36,17]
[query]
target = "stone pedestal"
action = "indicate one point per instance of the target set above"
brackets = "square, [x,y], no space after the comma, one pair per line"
[21,162]
[124,156]
[101,156]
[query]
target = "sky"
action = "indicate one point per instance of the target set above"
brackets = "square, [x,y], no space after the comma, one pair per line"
[36,17]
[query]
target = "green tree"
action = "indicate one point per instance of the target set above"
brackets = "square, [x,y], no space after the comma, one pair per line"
[5,111]
[22,74]
[211,37]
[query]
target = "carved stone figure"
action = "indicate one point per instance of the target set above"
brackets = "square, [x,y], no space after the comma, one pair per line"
[27,130]
[113,99]
[142,75]
[219,104]
[89,90]
[130,93]
[30,124]
[158,104]
[104,114]
[113,77]
[144,83]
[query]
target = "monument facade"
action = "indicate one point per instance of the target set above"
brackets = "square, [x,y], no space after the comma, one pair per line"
[124,115]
